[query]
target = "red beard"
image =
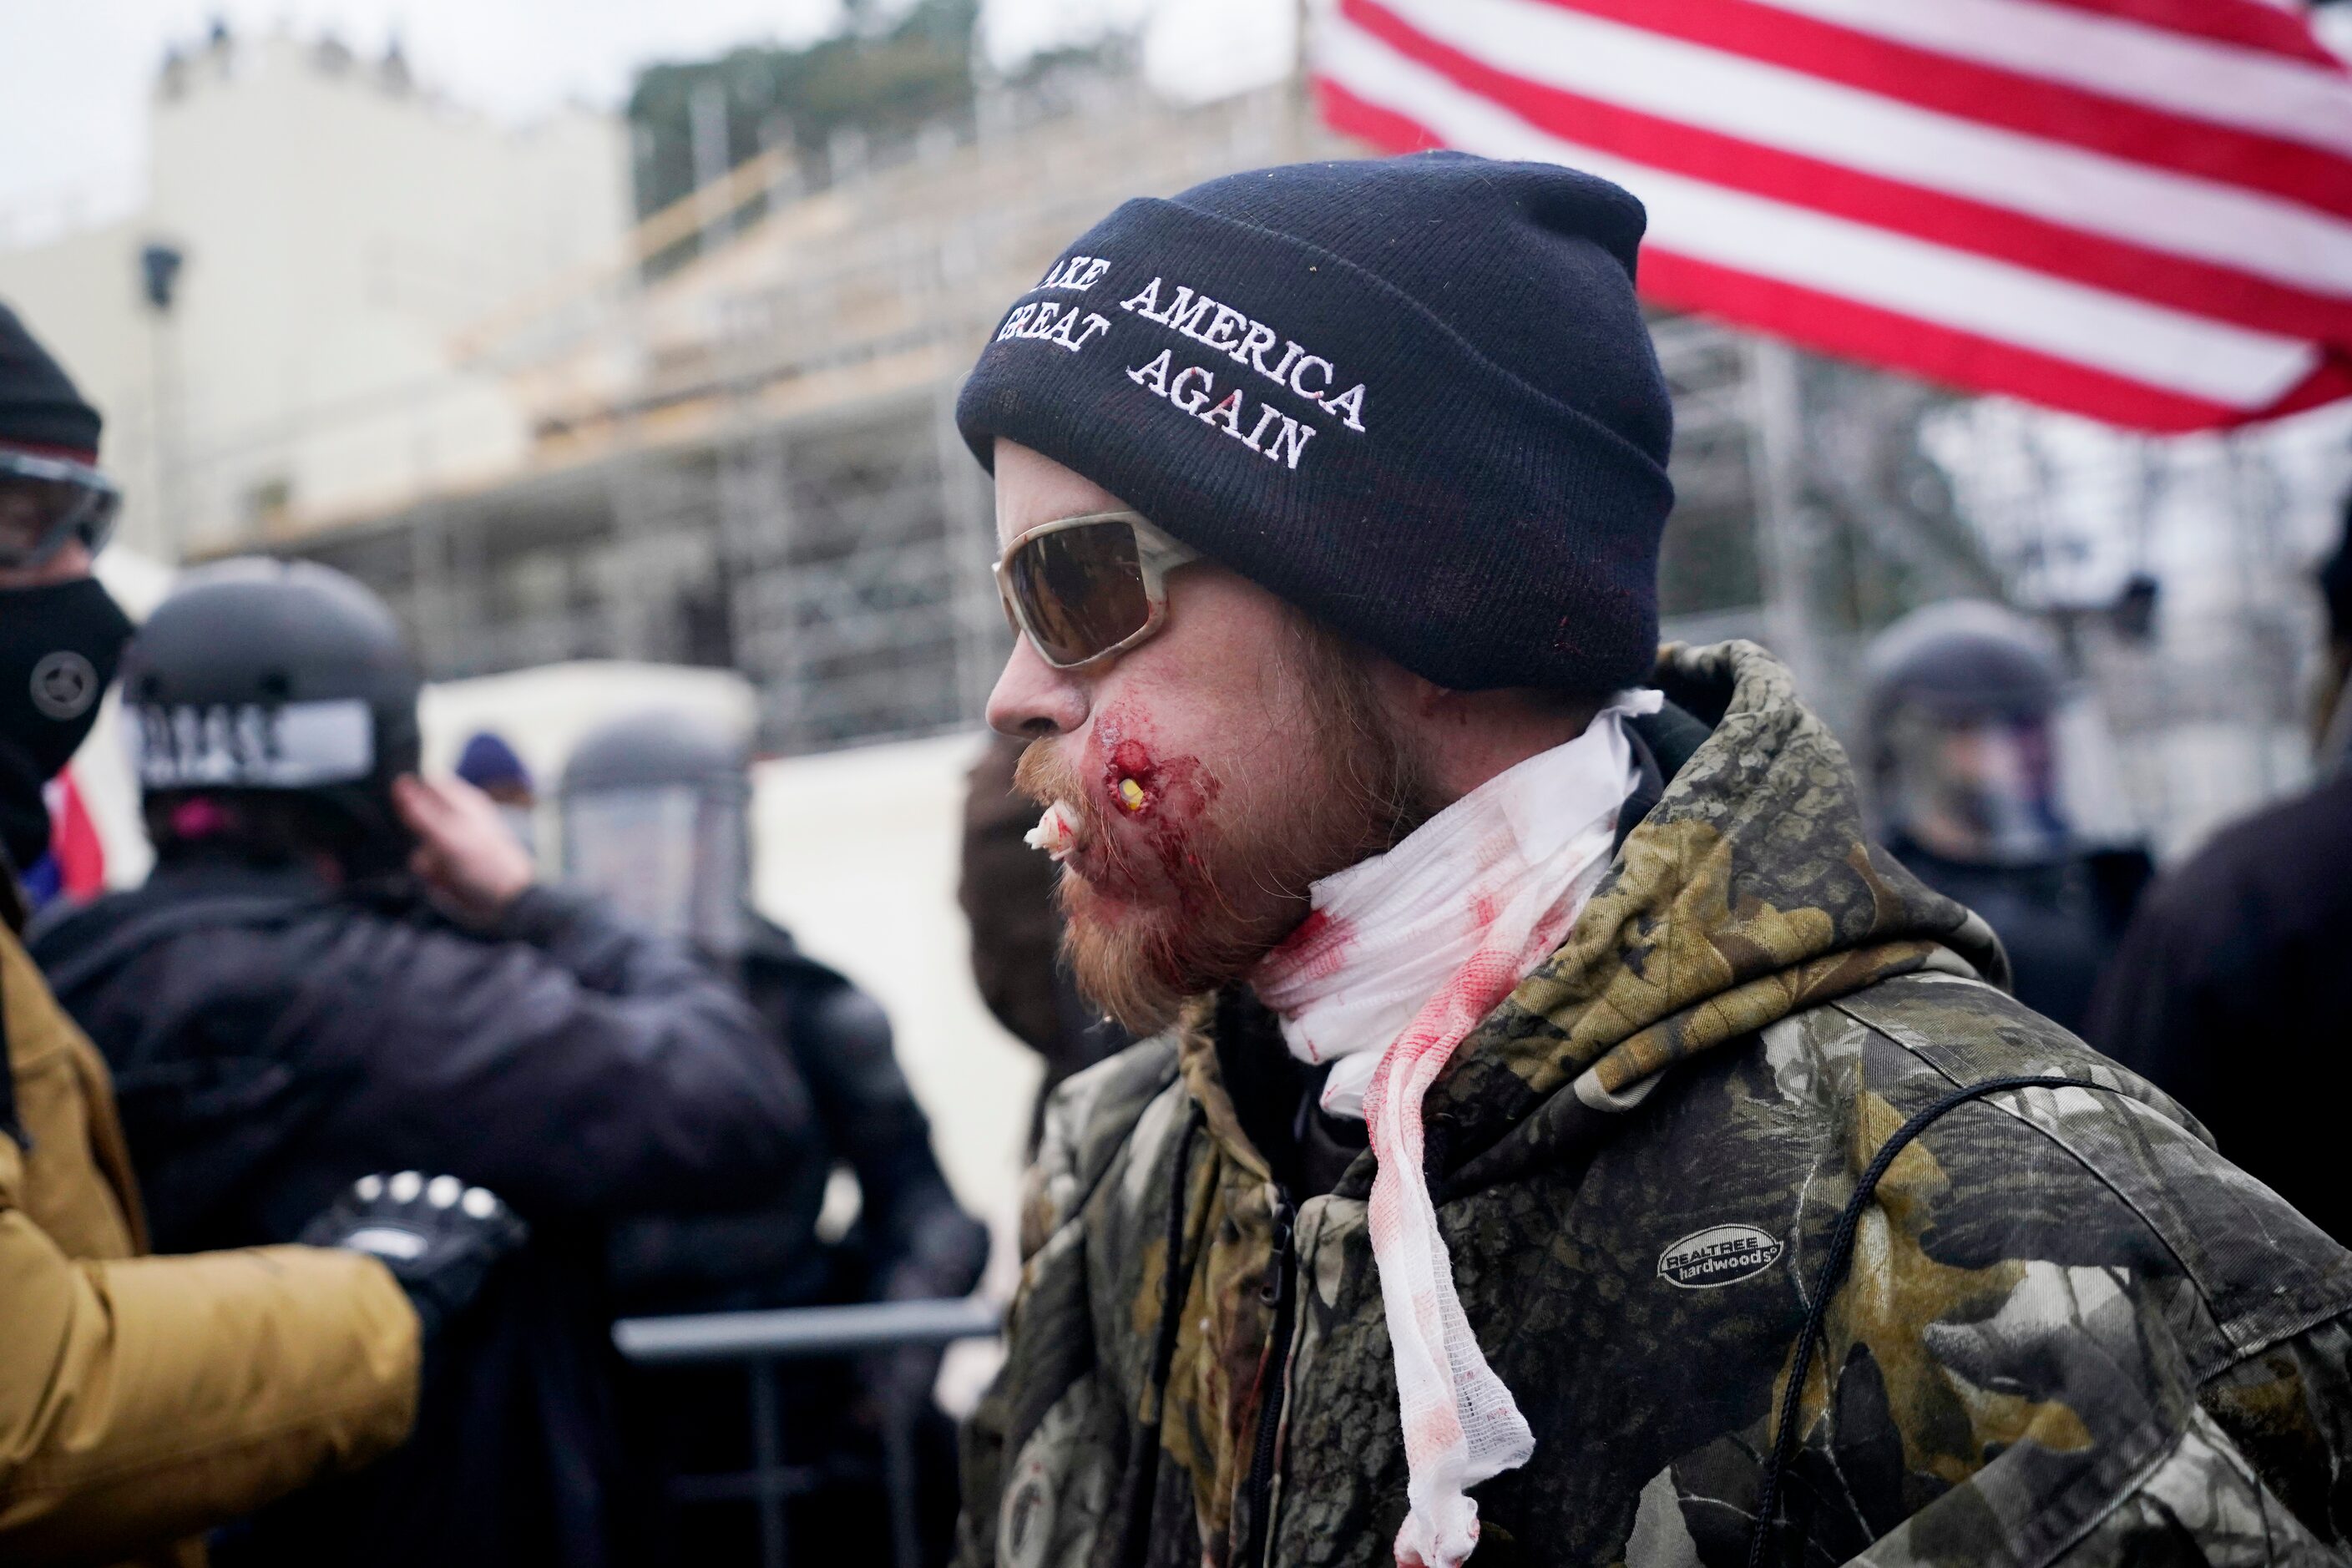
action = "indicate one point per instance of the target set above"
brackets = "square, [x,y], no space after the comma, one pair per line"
[1171,891]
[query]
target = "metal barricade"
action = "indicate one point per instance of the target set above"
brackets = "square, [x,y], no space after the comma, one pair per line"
[761,1340]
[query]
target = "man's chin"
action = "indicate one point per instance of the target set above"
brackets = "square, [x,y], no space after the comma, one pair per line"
[1140,960]
[1124,957]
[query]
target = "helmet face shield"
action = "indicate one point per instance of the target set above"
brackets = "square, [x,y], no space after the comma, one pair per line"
[669,857]
[1977,787]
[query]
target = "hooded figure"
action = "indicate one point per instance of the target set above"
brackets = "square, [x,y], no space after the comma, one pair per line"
[1966,768]
[1563,1136]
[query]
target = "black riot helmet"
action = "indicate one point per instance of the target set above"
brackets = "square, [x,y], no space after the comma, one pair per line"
[267,682]
[1962,705]
[653,809]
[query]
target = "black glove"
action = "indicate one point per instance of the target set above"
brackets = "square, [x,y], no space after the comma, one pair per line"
[944,1253]
[439,1236]
[941,1254]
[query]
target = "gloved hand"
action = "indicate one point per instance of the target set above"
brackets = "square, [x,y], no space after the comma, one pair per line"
[941,1254]
[439,1236]
[944,1253]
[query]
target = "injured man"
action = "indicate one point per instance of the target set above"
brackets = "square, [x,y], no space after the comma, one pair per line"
[1562,1136]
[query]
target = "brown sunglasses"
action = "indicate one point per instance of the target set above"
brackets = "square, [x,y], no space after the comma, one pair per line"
[1084,588]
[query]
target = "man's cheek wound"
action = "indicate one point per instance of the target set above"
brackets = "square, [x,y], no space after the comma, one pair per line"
[1145,810]
[1139,778]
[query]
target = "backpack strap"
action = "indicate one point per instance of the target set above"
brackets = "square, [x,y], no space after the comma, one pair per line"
[1832,1275]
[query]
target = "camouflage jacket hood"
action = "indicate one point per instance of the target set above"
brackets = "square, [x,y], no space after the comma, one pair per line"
[2070,1328]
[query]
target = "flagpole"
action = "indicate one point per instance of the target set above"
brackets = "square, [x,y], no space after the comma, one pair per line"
[1784,545]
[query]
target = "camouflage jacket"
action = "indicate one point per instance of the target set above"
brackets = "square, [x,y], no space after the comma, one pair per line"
[2071,1331]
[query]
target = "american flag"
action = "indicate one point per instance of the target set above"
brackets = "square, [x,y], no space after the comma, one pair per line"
[2137,210]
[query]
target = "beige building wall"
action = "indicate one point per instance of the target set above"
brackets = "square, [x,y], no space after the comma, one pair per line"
[342,231]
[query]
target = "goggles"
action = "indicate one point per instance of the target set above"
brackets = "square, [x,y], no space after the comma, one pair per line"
[1084,588]
[1980,789]
[47,502]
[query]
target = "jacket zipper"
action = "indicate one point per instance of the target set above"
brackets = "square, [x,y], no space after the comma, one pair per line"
[1276,1293]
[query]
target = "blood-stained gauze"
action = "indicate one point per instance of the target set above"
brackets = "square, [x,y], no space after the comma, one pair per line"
[1056,832]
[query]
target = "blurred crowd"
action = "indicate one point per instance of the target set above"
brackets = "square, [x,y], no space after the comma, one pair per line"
[329,1154]
[335,1147]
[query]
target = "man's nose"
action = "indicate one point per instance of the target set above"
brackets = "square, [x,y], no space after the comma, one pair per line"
[1032,698]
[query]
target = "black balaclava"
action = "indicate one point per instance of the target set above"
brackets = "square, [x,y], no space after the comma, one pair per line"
[58,642]
[60,645]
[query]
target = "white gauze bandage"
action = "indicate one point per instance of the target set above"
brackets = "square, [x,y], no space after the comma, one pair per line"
[1401,957]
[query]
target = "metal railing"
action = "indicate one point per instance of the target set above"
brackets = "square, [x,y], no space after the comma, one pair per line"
[760,1342]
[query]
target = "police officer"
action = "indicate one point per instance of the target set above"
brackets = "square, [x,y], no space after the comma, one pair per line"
[144,1399]
[1963,701]
[337,968]
[654,816]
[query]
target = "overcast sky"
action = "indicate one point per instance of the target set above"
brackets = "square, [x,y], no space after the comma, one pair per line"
[74,74]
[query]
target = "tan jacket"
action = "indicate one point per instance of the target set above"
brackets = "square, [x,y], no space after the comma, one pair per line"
[145,1399]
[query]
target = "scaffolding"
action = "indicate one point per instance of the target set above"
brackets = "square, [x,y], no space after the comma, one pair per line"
[773,480]
[751,461]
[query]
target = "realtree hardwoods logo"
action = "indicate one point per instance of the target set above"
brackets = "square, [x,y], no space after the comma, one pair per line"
[1719,1255]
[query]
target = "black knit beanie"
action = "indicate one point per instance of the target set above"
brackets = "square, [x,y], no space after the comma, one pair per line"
[1413,395]
[38,406]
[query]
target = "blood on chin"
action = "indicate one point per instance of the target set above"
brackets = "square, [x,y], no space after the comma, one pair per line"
[1161,900]
[1106,878]
[1129,959]
[1138,936]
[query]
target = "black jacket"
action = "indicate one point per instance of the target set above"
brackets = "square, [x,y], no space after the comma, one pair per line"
[911,1239]
[2060,920]
[273,1040]
[2233,993]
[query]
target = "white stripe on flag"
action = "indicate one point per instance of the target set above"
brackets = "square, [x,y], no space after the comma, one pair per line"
[2188,355]
[2201,77]
[2228,226]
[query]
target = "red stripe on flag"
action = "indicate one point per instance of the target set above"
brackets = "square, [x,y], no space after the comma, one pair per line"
[2248,24]
[1384,128]
[1988,95]
[74,842]
[1834,324]
[1958,223]
[2330,381]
